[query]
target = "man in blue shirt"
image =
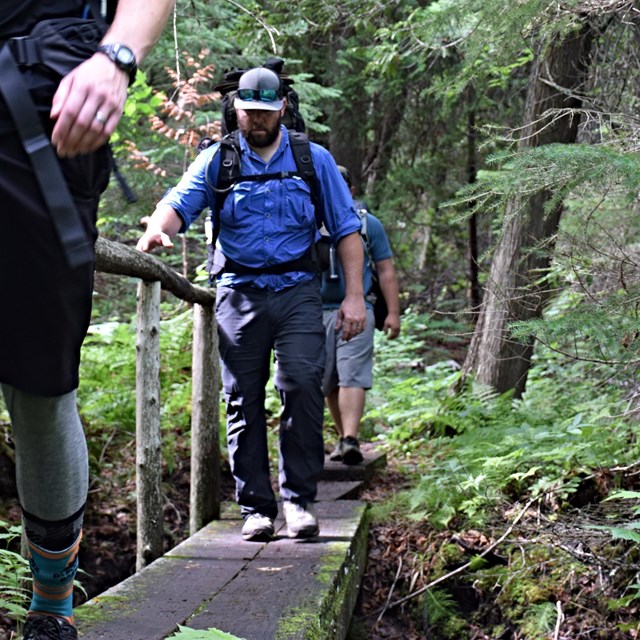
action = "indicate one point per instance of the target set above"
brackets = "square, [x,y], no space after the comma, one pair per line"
[264,223]
[349,367]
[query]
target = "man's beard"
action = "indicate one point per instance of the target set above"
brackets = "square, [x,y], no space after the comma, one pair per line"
[264,137]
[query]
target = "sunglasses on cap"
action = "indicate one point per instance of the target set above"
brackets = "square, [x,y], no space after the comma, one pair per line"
[262,95]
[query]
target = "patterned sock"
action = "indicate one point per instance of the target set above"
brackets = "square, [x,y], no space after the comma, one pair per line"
[53,575]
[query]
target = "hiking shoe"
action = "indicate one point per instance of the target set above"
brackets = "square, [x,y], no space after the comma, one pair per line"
[336,454]
[41,627]
[301,521]
[257,527]
[350,450]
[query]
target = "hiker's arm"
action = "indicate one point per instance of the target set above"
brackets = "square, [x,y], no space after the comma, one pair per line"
[98,85]
[388,280]
[162,225]
[352,315]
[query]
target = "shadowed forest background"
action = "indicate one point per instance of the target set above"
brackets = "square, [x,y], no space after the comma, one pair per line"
[498,143]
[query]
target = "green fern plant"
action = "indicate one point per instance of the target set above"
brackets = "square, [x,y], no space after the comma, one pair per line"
[442,615]
[14,574]
[628,530]
[107,393]
[478,450]
[539,620]
[185,633]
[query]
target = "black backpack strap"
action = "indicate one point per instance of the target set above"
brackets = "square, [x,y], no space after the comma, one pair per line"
[229,169]
[127,191]
[96,12]
[230,172]
[78,247]
[301,149]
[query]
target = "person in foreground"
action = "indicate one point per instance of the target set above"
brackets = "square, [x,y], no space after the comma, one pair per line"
[268,302]
[349,368]
[47,295]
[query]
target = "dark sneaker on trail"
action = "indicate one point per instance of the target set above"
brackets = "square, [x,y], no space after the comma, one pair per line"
[350,450]
[258,528]
[41,627]
[301,521]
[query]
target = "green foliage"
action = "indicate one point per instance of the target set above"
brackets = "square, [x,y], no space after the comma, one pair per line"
[14,574]
[442,615]
[108,381]
[559,168]
[539,620]
[185,633]
[478,449]
[628,530]
[632,594]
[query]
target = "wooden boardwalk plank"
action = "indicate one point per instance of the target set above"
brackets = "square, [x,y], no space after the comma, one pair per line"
[282,590]
[374,459]
[296,589]
[252,590]
[334,490]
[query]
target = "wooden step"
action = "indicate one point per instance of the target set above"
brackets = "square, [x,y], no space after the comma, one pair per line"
[373,460]
[284,590]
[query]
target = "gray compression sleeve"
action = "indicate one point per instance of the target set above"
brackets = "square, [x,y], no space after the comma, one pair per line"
[52,466]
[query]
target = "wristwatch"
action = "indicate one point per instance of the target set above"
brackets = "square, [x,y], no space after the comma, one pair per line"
[122,57]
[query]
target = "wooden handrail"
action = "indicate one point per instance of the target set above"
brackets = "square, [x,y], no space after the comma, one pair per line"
[119,259]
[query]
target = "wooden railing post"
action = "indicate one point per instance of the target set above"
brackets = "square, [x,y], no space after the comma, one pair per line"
[148,442]
[113,257]
[205,445]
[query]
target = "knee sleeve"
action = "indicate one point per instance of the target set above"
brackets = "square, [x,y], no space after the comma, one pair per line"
[53,535]
[51,454]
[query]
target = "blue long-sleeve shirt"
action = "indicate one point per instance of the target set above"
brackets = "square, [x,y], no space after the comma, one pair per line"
[266,223]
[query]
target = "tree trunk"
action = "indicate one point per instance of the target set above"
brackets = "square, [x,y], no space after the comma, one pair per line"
[472,175]
[495,358]
[388,112]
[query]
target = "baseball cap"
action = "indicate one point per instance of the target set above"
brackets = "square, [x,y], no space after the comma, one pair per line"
[259,88]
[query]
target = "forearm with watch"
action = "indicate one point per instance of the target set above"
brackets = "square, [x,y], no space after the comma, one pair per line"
[136,27]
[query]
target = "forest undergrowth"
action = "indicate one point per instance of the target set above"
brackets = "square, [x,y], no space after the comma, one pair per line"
[496,518]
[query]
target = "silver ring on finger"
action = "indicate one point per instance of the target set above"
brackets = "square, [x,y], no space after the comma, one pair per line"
[100,117]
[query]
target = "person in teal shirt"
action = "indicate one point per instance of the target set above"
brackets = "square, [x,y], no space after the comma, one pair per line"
[349,366]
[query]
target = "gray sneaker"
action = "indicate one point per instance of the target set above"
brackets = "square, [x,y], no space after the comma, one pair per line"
[257,527]
[336,454]
[301,521]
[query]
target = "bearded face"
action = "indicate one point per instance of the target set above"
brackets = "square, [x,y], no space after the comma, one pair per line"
[260,128]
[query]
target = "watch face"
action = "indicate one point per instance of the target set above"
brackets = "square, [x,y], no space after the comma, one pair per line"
[125,56]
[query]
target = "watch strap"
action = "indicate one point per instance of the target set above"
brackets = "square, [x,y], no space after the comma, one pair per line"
[111,50]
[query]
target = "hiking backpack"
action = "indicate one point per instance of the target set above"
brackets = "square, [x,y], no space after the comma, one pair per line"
[374,295]
[292,118]
[328,260]
[230,171]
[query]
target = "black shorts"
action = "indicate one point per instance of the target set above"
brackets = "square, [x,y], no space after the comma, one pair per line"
[45,307]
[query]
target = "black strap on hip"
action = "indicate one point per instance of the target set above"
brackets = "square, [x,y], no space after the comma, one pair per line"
[304,263]
[78,248]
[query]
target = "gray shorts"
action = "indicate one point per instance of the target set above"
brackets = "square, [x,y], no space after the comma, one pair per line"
[348,364]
